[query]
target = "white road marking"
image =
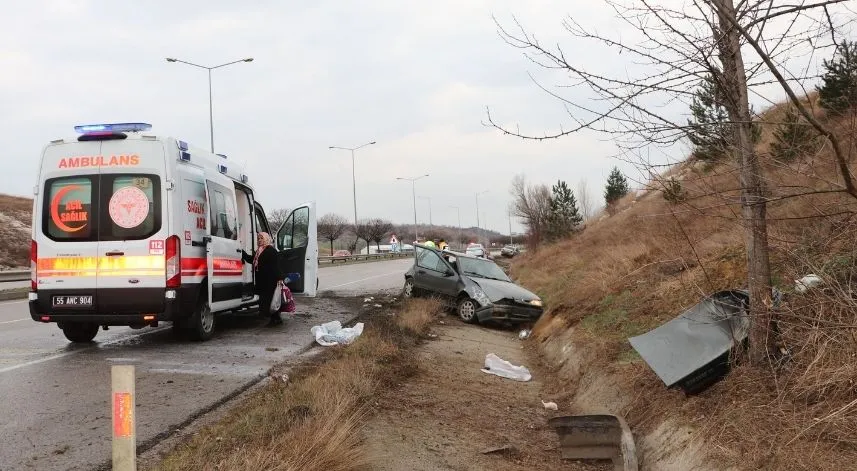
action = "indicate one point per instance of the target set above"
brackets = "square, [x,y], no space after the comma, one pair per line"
[65,354]
[366,279]
[16,320]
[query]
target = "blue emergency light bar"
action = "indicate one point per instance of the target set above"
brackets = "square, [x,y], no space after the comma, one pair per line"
[115,127]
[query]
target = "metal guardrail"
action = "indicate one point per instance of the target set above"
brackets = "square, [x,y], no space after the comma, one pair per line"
[14,275]
[358,257]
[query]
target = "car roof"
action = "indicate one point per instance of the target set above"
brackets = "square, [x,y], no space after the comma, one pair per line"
[457,254]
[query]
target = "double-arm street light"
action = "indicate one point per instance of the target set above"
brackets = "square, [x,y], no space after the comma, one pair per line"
[210,107]
[414,194]
[353,178]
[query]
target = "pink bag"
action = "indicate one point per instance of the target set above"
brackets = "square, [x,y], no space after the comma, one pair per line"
[288,304]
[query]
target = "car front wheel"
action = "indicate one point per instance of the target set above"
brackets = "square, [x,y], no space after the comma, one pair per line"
[408,291]
[467,310]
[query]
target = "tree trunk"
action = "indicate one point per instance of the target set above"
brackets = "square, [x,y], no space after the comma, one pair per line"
[331,246]
[753,204]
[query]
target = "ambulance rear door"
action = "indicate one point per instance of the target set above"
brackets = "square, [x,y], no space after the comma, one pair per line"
[66,232]
[297,243]
[133,226]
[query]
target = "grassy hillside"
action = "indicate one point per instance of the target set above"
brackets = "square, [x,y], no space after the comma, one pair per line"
[630,272]
[15,223]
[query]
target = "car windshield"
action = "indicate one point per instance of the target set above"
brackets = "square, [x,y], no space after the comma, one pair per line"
[481,268]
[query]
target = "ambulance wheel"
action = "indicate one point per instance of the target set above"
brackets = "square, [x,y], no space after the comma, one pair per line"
[80,332]
[202,322]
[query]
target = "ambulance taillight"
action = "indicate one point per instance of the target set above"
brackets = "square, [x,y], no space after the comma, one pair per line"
[34,258]
[173,262]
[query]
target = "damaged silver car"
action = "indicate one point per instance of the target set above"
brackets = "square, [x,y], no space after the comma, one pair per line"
[477,288]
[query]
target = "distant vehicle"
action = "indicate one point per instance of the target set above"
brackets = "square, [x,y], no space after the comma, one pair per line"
[478,289]
[510,251]
[477,251]
[343,255]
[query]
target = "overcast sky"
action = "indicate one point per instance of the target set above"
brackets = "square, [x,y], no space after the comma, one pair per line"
[414,76]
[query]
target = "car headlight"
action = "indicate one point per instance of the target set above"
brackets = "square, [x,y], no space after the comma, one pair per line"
[480,297]
[536,302]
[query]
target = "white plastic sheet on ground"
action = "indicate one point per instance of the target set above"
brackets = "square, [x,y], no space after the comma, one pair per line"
[332,333]
[495,365]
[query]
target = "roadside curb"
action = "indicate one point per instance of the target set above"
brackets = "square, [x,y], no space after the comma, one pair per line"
[15,293]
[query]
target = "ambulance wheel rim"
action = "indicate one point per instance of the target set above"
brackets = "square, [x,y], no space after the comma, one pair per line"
[206,318]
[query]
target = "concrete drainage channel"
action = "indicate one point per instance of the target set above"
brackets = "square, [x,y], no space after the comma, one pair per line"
[596,437]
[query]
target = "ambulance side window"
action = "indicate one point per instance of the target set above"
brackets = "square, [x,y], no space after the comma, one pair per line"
[68,211]
[224,222]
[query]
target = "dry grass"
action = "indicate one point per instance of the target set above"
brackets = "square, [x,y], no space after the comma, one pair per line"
[314,422]
[649,261]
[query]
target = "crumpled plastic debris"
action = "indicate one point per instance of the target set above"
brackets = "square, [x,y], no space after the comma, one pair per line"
[495,365]
[332,333]
[550,405]
[809,281]
[524,334]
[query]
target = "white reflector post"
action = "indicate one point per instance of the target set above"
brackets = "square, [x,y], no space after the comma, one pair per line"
[124,424]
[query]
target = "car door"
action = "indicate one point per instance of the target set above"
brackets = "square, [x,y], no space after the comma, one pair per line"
[223,253]
[297,243]
[434,275]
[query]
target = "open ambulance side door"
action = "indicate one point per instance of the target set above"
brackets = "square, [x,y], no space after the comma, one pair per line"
[297,243]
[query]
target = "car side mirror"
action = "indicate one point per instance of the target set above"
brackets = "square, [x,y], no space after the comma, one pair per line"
[449,273]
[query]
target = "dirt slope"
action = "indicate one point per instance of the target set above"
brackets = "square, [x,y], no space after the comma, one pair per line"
[632,271]
[15,220]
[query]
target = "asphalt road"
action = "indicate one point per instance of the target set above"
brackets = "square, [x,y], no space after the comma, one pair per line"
[55,412]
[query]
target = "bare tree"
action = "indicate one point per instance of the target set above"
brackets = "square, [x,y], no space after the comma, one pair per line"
[531,203]
[378,229]
[584,200]
[674,50]
[363,230]
[277,217]
[331,227]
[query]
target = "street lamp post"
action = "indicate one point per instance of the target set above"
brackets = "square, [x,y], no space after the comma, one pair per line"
[414,194]
[458,211]
[429,202]
[478,227]
[210,105]
[353,174]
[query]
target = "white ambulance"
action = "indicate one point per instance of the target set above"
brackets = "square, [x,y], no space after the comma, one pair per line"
[133,229]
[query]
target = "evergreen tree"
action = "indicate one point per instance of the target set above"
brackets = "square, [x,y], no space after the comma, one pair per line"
[709,130]
[793,138]
[564,217]
[838,91]
[617,187]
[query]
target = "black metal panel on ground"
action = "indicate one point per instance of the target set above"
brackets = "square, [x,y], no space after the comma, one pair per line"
[692,350]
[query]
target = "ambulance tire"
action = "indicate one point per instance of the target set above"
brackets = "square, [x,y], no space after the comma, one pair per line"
[80,332]
[202,322]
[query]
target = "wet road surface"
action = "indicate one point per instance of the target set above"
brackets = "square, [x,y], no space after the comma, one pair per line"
[55,412]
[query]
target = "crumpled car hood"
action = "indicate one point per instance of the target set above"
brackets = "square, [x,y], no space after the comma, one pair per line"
[497,290]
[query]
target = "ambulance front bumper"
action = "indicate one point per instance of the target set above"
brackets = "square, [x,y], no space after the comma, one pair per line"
[113,307]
